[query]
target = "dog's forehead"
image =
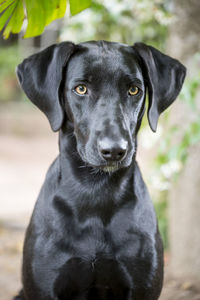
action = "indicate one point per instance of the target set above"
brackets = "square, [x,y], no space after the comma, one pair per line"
[92,57]
[105,49]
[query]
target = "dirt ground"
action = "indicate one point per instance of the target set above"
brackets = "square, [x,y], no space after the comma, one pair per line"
[27,149]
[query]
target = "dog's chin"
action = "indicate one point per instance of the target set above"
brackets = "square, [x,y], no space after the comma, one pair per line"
[109,168]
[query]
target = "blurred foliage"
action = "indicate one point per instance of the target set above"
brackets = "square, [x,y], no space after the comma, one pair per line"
[175,144]
[38,13]
[9,59]
[173,153]
[121,21]
[161,208]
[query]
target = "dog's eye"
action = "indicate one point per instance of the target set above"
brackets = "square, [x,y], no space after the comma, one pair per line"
[134,90]
[81,89]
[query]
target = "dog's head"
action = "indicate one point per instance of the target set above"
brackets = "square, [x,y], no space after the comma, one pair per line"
[100,87]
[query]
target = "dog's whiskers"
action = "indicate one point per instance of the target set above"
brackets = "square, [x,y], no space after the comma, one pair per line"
[82,166]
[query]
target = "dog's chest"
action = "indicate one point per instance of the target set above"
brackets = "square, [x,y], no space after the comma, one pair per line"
[114,235]
[95,250]
[110,224]
[95,241]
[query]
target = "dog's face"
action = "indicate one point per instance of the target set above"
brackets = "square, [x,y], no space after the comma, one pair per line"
[100,87]
[104,94]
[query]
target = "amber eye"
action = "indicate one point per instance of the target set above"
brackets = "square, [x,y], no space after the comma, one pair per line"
[81,89]
[134,90]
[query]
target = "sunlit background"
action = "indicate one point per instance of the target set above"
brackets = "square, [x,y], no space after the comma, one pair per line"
[169,158]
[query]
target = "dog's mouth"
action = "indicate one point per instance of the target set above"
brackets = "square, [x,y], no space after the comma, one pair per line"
[109,168]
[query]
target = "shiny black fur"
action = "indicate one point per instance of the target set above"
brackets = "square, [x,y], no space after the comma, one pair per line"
[93,233]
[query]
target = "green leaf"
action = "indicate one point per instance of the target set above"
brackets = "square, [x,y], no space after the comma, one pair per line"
[77,6]
[16,20]
[56,10]
[5,5]
[42,13]
[60,9]
[39,15]
[36,17]
[6,15]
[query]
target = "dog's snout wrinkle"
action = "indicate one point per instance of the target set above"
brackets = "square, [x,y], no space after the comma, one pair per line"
[112,150]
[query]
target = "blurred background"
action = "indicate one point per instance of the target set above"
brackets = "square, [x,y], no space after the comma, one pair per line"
[169,159]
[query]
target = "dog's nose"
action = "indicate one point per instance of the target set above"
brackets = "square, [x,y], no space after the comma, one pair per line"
[111,150]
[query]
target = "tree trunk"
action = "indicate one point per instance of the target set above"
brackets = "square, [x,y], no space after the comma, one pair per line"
[184,198]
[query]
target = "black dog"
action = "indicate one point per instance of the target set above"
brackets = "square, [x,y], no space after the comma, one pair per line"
[93,234]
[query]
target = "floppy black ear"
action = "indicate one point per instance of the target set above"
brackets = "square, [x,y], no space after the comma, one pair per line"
[40,76]
[164,78]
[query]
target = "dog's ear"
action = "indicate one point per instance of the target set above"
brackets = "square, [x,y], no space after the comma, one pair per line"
[163,77]
[40,76]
